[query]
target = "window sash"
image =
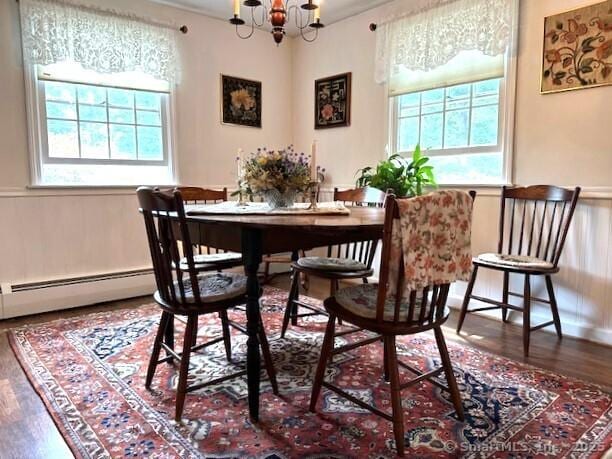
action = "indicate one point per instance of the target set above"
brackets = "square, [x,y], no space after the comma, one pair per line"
[45,158]
[497,147]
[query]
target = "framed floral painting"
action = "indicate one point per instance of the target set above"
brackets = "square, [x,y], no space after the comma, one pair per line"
[240,101]
[333,101]
[578,49]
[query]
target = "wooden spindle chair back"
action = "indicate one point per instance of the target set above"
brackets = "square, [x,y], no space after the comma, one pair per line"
[363,251]
[426,311]
[169,241]
[168,233]
[534,220]
[196,195]
[425,306]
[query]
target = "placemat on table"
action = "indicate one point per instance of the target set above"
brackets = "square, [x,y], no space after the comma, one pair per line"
[262,208]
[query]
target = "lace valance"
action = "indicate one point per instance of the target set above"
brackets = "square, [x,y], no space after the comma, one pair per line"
[428,39]
[104,41]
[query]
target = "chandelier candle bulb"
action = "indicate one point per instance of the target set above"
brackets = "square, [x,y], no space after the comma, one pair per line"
[277,13]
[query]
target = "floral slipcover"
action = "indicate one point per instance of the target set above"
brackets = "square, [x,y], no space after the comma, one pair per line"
[434,235]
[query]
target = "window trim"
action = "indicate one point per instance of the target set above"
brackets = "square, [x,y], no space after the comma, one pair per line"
[507,105]
[37,137]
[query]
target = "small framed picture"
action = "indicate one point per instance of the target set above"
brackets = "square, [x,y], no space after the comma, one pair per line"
[333,101]
[240,101]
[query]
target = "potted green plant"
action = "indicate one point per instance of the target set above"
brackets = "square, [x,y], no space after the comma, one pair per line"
[401,176]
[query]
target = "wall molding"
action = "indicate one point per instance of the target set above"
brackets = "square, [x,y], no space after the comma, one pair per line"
[37,192]
[588,192]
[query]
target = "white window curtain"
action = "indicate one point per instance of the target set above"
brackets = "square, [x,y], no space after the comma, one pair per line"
[449,42]
[104,41]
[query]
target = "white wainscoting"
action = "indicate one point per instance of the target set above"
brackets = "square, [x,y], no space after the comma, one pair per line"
[51,234]
[57,234]
[583,286]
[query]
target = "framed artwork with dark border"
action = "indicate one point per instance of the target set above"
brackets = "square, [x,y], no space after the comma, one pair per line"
[578,49]
[240,101]
[333,101]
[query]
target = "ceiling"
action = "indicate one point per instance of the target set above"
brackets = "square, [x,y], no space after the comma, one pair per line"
[331,10]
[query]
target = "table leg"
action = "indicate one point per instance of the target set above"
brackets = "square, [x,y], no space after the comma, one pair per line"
[251,253]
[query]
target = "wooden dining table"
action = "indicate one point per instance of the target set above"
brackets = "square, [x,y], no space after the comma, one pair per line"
[255,235]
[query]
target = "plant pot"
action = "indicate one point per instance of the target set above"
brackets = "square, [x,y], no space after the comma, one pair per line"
[278,200]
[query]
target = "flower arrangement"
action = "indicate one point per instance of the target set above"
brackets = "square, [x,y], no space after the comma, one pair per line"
[277,175]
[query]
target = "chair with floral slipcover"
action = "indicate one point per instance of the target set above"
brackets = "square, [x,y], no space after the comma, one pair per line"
[426,247]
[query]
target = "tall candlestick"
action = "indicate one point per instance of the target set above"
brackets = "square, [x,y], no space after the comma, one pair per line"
[237,8]
[239,161]
[313,162]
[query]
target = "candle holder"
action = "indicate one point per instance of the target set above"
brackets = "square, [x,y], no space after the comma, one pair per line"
[313,188]
[241,201]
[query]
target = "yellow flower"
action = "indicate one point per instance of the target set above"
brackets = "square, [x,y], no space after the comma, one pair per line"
[241,97]
[262,160]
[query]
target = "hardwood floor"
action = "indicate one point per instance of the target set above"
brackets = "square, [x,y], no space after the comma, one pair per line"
[27,430]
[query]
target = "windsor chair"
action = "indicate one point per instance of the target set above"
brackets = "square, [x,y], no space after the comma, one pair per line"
[343,261]
[188,293]
[533,226]
[374,308]
[208,258]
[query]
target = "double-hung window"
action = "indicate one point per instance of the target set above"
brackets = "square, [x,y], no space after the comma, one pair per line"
[458,107]
[100,130]
[99,96]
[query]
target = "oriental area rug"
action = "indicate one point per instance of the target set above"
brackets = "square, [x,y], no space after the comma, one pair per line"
[90,373]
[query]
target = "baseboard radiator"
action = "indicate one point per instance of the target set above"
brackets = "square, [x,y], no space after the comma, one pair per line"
[37,297]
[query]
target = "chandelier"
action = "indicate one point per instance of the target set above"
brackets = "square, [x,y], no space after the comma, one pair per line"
[279,13]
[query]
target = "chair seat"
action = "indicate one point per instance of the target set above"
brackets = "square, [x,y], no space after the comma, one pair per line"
[209,260]
[331,264]
[361,301]
[215,287]
[515,261]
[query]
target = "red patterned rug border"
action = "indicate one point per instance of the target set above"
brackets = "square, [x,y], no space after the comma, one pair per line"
[47,401]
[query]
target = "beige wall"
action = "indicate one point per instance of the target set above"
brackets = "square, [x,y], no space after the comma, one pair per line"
[559,138]
[48,234]
[206,149]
